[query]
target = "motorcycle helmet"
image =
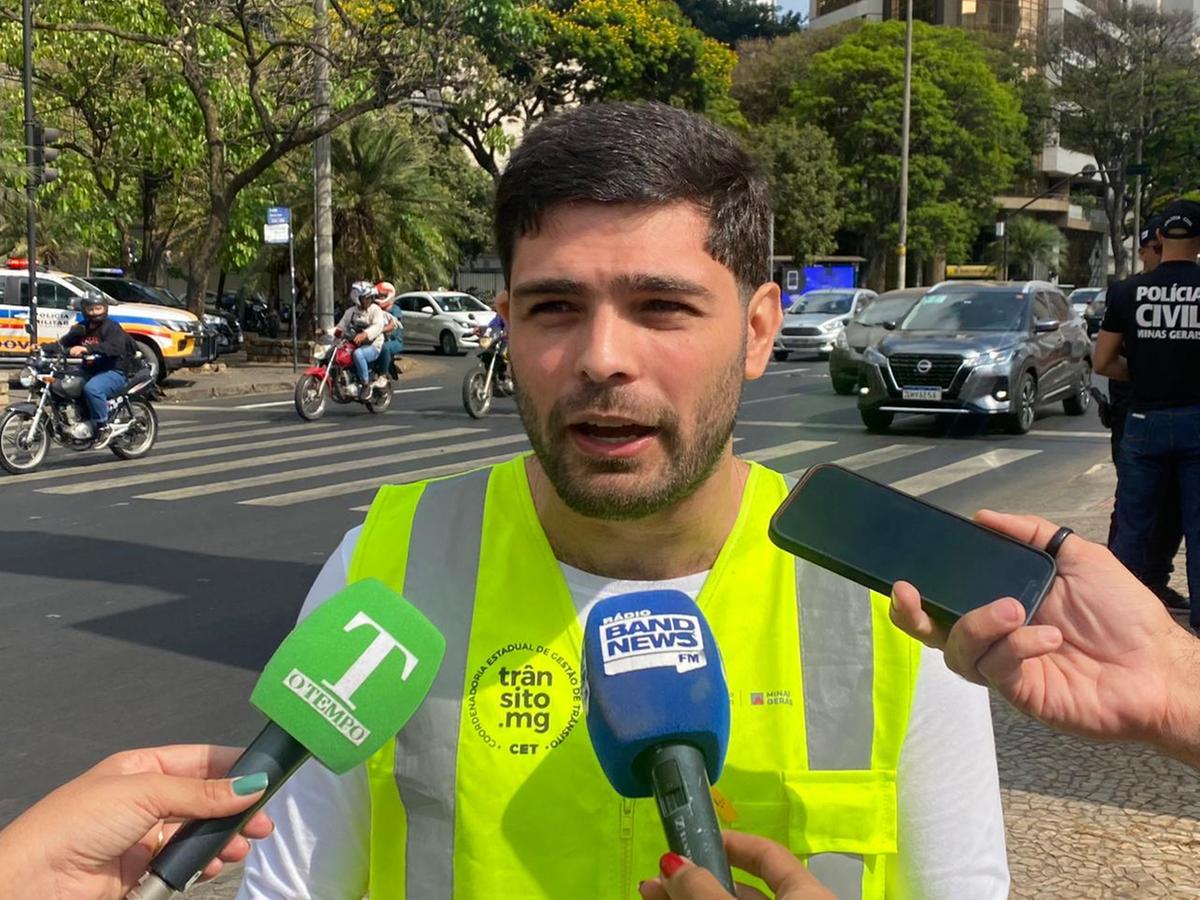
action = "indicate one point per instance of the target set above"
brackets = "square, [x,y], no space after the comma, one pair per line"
[94,307]
[360,290]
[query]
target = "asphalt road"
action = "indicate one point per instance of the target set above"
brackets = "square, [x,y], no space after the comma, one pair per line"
[140,599]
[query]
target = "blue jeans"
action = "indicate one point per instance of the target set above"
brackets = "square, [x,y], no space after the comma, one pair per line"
[1158,447]
[391,348]
[363,357]
[97,391]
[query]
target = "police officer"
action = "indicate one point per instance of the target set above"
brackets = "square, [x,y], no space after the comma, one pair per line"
[1151,337]
[1168,530]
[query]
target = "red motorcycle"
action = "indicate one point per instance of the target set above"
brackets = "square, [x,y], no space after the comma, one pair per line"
[332,377]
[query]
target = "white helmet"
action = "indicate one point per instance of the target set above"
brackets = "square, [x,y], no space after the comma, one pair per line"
[361,289]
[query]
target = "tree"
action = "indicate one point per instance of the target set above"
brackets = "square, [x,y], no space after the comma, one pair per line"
[967,132]
[801,163]
[1124,75]
[537,59]
[1031,243]
[247,65]
[734,21]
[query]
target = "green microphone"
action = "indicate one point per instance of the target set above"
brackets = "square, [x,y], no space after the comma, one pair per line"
[339,687]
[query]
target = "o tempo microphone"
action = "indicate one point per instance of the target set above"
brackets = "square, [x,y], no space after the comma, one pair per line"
[338,688]
[658,714]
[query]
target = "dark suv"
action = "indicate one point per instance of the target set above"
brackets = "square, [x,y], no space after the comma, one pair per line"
[983,349]
[225,329]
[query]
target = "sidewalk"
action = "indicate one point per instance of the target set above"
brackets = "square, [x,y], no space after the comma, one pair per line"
[232,376]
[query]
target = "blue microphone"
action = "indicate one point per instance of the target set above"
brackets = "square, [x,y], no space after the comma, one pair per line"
[658,714]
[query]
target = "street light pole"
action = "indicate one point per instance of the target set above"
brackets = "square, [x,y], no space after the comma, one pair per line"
[30,170]
[322,174]
[902,249]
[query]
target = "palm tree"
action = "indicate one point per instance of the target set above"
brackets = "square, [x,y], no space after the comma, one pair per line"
[1031,242]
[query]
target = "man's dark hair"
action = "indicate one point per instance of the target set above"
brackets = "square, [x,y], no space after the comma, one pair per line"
[640,153]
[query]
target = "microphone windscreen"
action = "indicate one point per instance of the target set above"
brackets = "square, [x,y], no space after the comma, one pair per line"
[652,675]
[351,674]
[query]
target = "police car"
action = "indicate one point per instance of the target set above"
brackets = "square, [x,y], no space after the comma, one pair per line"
[169,339]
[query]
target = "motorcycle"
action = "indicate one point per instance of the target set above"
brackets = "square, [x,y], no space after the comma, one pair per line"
[57,412]
[332,377]
[491,377]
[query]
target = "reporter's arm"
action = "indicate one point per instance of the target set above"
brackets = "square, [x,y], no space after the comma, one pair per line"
[94,836]
[1102,659]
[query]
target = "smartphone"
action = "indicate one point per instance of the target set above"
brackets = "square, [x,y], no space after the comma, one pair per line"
[876,535]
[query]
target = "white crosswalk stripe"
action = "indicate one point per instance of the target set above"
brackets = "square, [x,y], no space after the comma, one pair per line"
[777,451]
[162,460]
[237,484]
[961,470]
[366,484]
[193,438]
[877,457]
[339,447]
[416,390]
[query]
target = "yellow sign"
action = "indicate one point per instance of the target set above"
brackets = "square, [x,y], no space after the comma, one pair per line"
[972,271]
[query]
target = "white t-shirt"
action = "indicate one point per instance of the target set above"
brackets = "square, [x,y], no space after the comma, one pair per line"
[951,828]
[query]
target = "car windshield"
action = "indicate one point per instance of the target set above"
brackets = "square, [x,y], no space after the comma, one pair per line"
[461,303]
[885,309]
[968,311]
[162,296]
[1082,295]
[833,303]
[86,287]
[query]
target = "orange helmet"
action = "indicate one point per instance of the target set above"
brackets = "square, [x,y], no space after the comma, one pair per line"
[386,289]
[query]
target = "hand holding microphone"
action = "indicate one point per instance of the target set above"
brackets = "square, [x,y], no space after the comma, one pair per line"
[658,714]
[93,837]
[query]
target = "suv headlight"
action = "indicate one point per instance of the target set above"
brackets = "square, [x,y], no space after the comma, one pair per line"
[995,357]
[210,319]
[831,324]
[172,325]
[874,357]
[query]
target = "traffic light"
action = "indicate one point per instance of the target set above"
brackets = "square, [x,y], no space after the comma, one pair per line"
[44,152]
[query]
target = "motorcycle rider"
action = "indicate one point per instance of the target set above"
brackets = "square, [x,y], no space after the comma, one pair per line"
[108,371]
[364,323]
[393,332]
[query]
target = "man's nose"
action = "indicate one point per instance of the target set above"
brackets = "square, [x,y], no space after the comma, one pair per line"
[607,347]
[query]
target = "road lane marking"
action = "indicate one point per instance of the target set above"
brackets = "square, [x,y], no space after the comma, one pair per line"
[791,448]
[783,372]
[876,457]
[191,439]
[418,390]
[368,484]
[124,465]
[340,446]
[960,471]
[237,484]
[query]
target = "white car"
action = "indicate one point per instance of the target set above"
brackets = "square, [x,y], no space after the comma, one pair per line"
[815,320]
[444,320]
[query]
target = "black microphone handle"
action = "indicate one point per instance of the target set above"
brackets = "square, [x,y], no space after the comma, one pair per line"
[198,842]
[680,781]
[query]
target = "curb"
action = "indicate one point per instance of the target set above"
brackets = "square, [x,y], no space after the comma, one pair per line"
[226,390]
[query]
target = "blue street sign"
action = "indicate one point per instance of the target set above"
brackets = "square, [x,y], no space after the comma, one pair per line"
[279,215]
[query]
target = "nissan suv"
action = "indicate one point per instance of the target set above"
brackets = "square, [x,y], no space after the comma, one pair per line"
[980,349]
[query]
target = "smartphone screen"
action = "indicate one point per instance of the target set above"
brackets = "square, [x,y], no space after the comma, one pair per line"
[876,536]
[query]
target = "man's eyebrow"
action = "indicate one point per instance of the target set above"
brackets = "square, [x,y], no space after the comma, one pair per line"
[661,284]
[541,286]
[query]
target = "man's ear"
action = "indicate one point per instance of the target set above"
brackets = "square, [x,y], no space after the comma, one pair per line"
[764,314]
[502,306]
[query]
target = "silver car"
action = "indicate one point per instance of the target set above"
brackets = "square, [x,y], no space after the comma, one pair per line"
[817,318]
[443,320]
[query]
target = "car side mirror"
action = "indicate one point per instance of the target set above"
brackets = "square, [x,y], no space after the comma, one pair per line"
[1044,326]
[428,310]
[889,326]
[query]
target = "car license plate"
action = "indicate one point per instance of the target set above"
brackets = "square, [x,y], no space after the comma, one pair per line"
[922,393]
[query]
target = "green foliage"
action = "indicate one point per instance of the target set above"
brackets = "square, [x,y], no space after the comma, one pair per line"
[733,21]
[801,163]
[967,134]
[1030,242]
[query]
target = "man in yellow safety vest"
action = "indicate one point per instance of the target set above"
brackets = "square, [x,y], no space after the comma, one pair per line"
[634,241]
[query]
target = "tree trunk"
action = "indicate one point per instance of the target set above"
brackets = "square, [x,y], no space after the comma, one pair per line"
[147,266]
[206,254]
[1115,208]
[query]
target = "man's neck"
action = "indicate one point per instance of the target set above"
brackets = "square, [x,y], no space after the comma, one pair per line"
[682,540]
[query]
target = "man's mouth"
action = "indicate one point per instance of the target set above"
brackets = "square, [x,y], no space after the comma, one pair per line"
[614,431]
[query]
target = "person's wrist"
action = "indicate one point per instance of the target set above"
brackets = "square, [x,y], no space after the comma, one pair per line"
[1179,732]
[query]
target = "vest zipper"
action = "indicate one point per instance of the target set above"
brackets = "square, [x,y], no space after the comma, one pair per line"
[626,883]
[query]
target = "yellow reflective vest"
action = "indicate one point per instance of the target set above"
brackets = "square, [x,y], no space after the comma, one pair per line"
[492,789]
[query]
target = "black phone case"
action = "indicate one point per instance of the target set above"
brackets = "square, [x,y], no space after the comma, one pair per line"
[938,613]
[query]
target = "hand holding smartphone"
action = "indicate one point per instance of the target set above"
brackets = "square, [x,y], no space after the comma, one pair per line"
[876,535]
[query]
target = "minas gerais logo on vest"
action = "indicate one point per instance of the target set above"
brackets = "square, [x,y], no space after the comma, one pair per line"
[335,700]
[633,641]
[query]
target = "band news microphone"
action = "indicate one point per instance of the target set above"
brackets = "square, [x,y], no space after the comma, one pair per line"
[658,714]
[339,687]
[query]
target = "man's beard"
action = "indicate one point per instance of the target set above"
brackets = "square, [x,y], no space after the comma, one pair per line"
[688,463]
